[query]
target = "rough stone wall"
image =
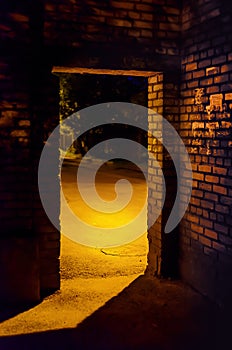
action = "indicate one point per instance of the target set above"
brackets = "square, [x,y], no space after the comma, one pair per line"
[206,124]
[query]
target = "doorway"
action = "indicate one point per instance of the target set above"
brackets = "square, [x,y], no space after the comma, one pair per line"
[98,269]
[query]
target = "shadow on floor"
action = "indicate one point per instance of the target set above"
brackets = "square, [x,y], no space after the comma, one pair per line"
[148,314]
[9,311]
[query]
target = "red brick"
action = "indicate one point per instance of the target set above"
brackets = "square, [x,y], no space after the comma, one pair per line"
[211,196]
[171,10]
[173,19]
[143,24]
[212,179]
[220,189]
[218,60]
[219,247]
[221,228]
[195,184]
[226,87]
[220,171]
[208,81]
[204,168]
[205,214]
[185,125]
[197,193]
[205,186]
[193,218]
[221,79]
[204,63]
[193,84]
[119,22]
[211,234]
[219,161]
[134,15]
[147,16]
[228,96]
[18,17]
[190,58]
[194,235]
[144,8]
[191,66]
[226,124]
[226,200]
[212,71]
[207,204]
[199,74]
[197,228]
[197,176]
[146,33]
[222,209]
[205,241]
[212,89]
[123,5]
[206,223]
[226,68]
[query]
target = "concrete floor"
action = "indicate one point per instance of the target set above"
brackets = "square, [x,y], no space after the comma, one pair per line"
[106,302]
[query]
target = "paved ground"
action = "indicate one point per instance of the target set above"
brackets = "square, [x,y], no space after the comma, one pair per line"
[106,302]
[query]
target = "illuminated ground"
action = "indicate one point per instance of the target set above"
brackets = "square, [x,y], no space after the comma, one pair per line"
[106,303]
[89,277]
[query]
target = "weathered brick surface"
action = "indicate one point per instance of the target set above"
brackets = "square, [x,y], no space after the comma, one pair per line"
[134,34]
[155,88]
[162,98]
[120,34]
[206,51]
[133,26]
[25,108]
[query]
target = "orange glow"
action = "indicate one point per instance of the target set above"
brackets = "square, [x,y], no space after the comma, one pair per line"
[105,186]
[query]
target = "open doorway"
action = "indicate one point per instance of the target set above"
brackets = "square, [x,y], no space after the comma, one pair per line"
[87,269]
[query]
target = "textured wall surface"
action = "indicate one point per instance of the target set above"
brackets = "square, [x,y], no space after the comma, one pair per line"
[206,124]
[188,45]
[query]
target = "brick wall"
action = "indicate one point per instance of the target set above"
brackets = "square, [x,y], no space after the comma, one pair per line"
[147,22]
[16,192]
[155,193]
[112,34]
[163,98]
[99,34]
[206,233]
[27,113]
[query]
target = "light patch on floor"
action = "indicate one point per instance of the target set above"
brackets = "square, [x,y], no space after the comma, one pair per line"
[89,279]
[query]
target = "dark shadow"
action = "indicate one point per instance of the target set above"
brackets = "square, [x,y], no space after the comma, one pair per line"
[148,314]
[8,311]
